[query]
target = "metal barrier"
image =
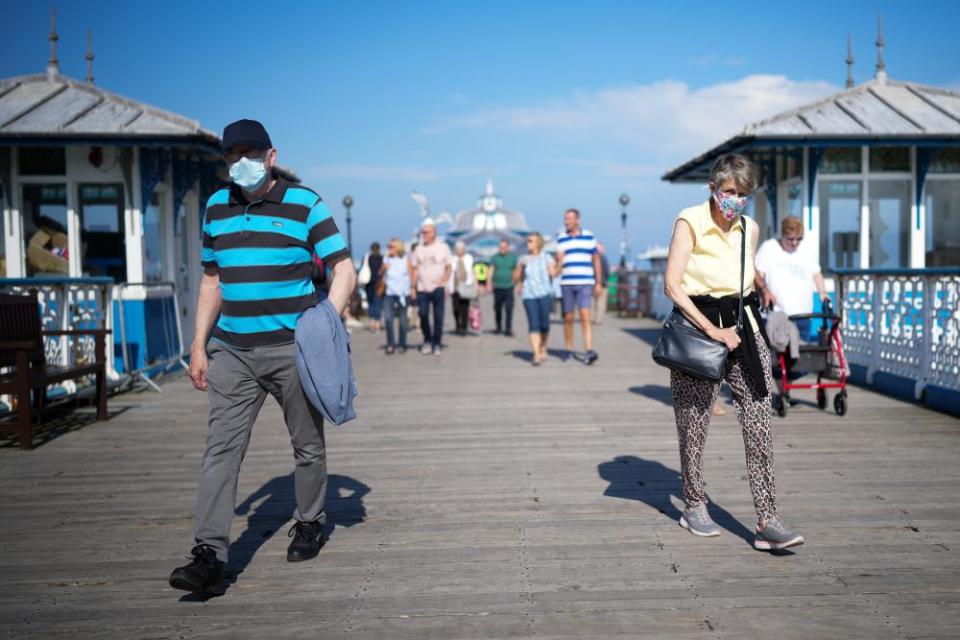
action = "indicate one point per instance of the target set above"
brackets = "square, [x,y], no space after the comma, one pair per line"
[640,292]
[172,332]
[70,303]
[904,322]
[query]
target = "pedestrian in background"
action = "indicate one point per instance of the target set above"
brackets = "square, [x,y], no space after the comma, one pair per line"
[580,272]
[463,287]
[396,275]
[371,288]
[502,265]
[431,263]
[533,276]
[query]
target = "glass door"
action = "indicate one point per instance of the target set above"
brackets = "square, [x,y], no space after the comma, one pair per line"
[840,223]
[102,231]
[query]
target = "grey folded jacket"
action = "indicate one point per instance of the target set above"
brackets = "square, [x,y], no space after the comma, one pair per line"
[783,333]
[323,362]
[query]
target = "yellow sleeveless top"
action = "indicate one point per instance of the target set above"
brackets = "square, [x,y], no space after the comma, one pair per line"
[714,265]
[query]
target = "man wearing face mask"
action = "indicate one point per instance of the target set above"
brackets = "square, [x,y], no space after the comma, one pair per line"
[259,238]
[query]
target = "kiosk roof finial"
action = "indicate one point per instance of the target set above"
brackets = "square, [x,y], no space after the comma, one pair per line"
[881,66]
[53,66]
[89,57]
[849,61]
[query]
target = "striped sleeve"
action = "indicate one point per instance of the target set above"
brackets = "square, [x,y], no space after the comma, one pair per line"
[324,236]
[207,256]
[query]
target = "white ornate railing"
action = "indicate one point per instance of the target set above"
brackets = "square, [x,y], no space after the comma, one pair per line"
[71,303]
[905,322]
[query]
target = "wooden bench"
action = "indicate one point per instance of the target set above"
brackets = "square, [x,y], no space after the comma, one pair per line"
[21,347]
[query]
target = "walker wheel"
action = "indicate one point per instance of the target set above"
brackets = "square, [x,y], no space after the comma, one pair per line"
[822,398]
[840,404]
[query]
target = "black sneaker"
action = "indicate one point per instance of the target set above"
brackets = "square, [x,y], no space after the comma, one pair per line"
[508,333]
[590,357]
[204,572]
[307,541]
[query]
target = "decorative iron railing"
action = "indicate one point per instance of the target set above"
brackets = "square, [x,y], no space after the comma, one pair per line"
[70,303]
[89,303]
[905,322]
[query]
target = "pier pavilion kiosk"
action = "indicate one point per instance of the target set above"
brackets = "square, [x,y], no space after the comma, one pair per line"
[482,228]
[873,172]
[101,192]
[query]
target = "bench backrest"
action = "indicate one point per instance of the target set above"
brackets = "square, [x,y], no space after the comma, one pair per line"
[20,322]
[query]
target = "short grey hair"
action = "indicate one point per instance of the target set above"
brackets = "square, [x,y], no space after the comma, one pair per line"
[460,244]
[736,167]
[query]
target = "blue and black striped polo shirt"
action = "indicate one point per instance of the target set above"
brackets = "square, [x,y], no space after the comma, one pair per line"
[263,252]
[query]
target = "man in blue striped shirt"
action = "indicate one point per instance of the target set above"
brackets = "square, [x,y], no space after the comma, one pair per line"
[579,281]
[259,239]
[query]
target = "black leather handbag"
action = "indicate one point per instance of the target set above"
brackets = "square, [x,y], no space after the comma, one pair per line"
[684,347]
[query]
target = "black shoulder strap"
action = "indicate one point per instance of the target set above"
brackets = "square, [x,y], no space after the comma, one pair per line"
[743,260]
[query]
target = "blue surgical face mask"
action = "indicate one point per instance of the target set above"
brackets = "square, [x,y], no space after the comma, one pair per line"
[248,174]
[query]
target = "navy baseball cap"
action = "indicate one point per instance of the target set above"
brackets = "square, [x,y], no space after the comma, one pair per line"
[246,132]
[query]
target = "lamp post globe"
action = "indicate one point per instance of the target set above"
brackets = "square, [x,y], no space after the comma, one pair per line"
[624,200]
[347,203]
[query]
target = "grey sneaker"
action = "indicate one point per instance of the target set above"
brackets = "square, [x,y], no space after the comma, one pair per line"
[426,350]
[775,536]
[697,521]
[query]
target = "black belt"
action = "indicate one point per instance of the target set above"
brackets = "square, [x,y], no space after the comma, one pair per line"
[723,313]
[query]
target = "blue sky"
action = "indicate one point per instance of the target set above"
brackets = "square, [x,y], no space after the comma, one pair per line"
[565,103]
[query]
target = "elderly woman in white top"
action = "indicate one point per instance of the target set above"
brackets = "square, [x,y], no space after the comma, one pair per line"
[703,280]
[462,286]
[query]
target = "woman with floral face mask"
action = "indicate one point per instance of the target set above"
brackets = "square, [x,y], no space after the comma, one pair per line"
[703,280]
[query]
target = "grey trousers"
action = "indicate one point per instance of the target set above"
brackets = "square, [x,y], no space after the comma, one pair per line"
[238,382]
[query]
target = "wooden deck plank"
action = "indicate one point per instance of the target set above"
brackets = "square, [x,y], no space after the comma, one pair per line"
[477,497]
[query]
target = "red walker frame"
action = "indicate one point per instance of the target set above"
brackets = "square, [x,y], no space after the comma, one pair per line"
[836,347]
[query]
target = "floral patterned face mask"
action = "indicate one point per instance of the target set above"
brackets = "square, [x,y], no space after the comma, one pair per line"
[730,205]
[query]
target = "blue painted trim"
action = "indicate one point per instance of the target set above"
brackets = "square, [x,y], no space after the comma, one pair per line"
[153,169]
[813,168]
[934,397]
[190,143]
[946,400]
[186,172]
[924,158]
[858,375]
[771,188]
[693,170]
[893,385]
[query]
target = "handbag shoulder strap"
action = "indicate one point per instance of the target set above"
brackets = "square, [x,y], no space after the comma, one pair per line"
[743,260]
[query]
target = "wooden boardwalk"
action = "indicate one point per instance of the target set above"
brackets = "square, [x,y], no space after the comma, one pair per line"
[477,497]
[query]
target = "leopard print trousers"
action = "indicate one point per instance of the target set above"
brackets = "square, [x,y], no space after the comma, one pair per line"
[693,400]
